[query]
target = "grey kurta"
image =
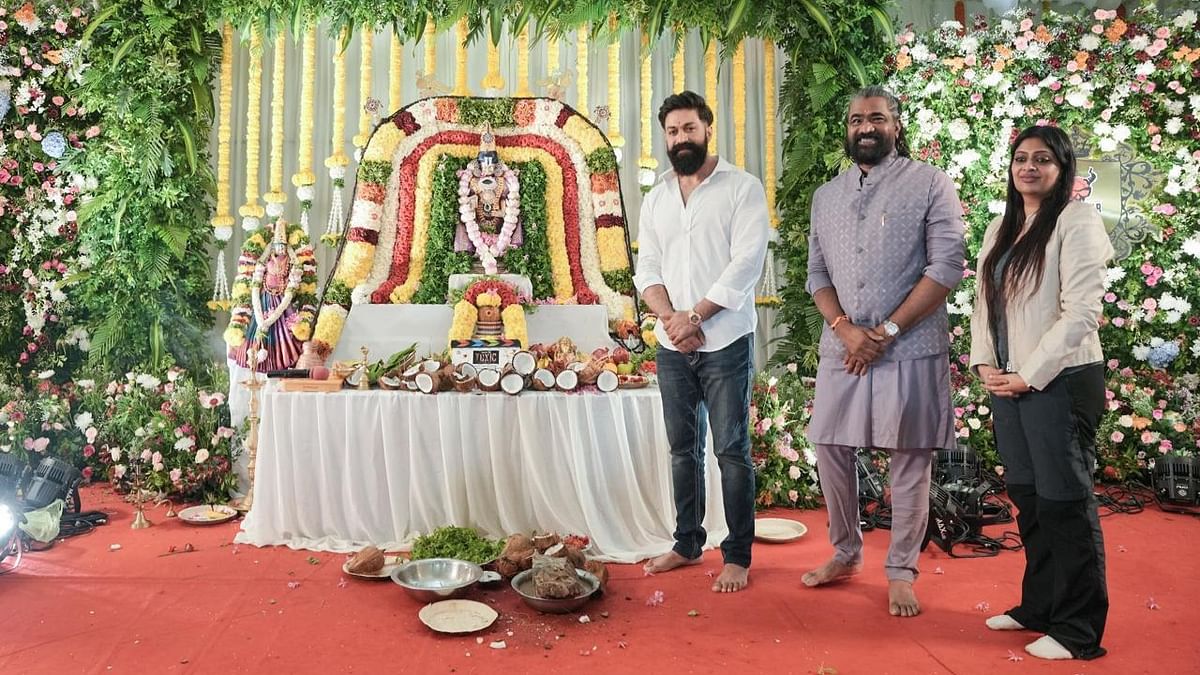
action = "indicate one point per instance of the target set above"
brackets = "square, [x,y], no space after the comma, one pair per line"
[872,239]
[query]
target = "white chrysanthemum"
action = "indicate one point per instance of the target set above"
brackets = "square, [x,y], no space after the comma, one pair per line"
[958,129]
[1191,246]
[1175,107]
[1121,133]
[1145,68]
[83,421]
[1196,348]
[991,79]
[969,44]
[1140,352]
[1089,42]
[223,233]
[1173,126]
[1186,19]
[1137,43]
[1031,91]
[1108,144]
[360,295]
[921,53]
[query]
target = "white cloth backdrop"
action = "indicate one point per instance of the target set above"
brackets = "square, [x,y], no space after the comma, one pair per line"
[337,472]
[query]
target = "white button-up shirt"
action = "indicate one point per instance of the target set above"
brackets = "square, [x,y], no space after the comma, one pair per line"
[713,247]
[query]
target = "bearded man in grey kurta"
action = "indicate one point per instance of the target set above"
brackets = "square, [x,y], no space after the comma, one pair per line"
[886,247]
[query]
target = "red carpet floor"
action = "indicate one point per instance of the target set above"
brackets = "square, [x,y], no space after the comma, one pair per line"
[83,608]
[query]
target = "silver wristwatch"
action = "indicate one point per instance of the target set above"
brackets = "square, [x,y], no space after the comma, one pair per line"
[891,328]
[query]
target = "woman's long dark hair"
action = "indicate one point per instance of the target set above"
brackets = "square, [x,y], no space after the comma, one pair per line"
[1027,262]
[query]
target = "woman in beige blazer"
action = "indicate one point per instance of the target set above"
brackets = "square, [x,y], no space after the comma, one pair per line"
[1035,344]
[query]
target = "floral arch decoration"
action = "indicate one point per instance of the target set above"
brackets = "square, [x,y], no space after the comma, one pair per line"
[493,293]
[399,243]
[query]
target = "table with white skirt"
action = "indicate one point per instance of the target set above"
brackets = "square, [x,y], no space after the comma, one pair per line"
[338,471]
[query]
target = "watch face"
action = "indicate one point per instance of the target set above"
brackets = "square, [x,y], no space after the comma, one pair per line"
[694,319]
[891,328]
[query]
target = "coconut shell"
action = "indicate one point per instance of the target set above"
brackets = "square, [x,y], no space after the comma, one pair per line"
[567,380]
[591,371]
[489,379]
[577,558]
[542,380]
[544,541]
[367,561]
[509,568]
[598,570]
[524,363]
[517,545]
[607,381]
[427,383]
[512,383]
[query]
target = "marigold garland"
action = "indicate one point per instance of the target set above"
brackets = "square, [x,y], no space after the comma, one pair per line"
[461,87]
[614,88]
[523,89]
[395,74]
[769,95]
[493,81]
[678,75]
[365,75]
[223,221]
[337,161]
[581,76]
[430,40]
[646,161]
[276,197]
[251,212]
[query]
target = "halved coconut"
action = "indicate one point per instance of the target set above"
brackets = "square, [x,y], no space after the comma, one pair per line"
[576,366]
[512,383]
[607,381]
[410,384]
[427,383]
[464,382]
[488,379]
[431,365]
[567,380]
[467,369]
[388,382]
[524,363]
[411,372]
[355,378]
[542,380]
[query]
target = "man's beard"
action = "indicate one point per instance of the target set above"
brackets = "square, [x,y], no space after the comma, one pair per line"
[869,155]
[687,157]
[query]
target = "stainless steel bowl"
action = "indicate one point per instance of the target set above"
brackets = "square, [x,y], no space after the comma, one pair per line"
[523,585]
[434,579]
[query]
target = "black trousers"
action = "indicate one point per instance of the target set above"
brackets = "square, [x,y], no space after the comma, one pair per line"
[1047,440]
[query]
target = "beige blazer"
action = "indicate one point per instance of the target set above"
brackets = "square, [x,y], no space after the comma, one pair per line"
[1055,326]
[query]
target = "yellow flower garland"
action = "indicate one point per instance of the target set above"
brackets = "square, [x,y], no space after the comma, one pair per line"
[461,88]
[581,80]
[647,160]
[305,175]
[251,209]
[338,158]
[364,88]
[523,89]
[769,130]
[710,90]
[610,241]
[678,75]
[739,106]
[493,82]
[514,324]
[430,40]
[614,89]
[276,195]
[395,65]
[552,58]
[224,217]
[465,317]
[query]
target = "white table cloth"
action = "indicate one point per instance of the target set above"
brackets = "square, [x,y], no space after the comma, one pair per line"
[336,472]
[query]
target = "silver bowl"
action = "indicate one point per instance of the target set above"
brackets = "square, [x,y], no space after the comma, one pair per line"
[523,585]
[434,579]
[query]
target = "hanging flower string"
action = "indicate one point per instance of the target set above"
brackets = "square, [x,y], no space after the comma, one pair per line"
[614,89]
[523,89]
[303,180]
[364,89]
[678,77]
[251,211]
[769,291]
[581,81]
[395,74]
[646,162]
[489,247]
[493,82]
[223,222]
[337,161]
[277,197]
[739,106]
[461,88]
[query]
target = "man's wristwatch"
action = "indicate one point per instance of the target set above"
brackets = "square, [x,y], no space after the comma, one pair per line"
[891,328]
[694,318]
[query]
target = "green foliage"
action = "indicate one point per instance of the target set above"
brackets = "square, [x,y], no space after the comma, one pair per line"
[532,259]
[374,171]
[784,461]
[441,260]
[475,112]
[620,281]
[602,160]
[147,225]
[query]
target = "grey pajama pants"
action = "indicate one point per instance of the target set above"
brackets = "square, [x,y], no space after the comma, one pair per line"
[909,476]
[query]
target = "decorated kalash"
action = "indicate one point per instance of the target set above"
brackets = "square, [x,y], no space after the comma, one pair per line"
[489,234]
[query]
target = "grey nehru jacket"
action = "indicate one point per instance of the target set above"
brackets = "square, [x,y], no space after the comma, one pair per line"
[873,241]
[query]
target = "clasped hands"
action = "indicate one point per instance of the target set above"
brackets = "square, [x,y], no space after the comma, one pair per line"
[1002,384]
[685,337]
[863,346]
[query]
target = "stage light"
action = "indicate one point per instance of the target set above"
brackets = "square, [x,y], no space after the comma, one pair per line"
[11,545]
[12,476]
[1177,482]
[960,464]
[54,479]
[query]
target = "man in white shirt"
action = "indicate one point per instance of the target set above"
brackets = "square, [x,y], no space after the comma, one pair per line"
[702,240]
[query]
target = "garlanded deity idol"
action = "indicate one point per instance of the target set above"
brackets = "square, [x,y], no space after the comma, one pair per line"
[489,207]
[277,275]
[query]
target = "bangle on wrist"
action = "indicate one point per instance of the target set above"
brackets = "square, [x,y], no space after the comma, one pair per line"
[836,322]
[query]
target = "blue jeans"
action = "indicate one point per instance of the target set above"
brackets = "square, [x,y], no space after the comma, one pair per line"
[696,388]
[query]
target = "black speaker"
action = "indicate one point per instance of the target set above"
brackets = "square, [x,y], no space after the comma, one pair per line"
[946,524]
[1177,480]
[13,473]
[54,479]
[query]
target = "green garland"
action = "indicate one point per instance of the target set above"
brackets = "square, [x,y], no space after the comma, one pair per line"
[532,259]
[498,112]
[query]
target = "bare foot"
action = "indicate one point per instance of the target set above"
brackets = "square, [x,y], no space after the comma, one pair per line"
[901,599]
[830,572]
[732,579]
[669,561]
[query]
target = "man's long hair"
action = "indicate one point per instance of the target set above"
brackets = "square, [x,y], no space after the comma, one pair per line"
[1027,262]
